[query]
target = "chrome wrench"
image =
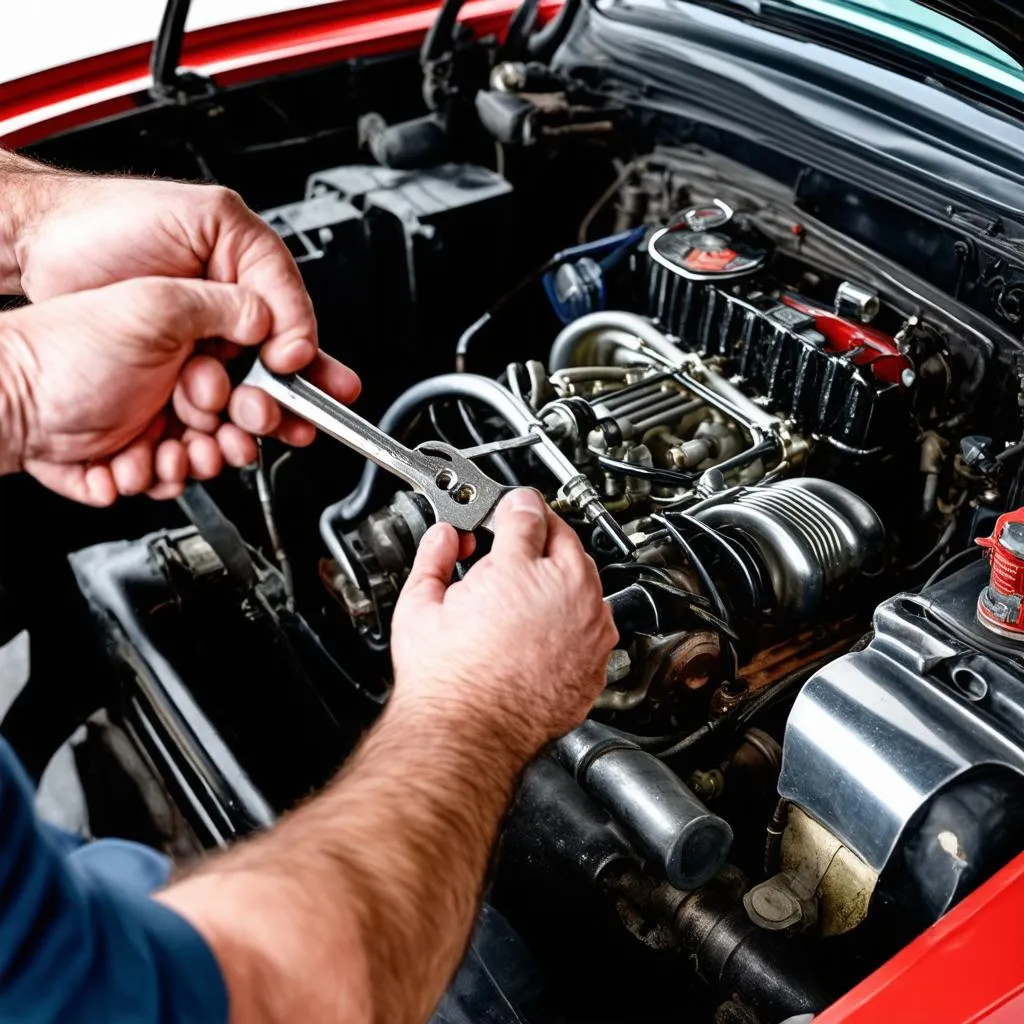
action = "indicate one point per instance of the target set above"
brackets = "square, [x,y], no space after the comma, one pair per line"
[458,491]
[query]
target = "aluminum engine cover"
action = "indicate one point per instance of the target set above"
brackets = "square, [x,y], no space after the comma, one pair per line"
[876,734]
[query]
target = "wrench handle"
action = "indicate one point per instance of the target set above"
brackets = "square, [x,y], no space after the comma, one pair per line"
[310,403]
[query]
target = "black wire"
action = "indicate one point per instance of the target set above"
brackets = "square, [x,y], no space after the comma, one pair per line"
[469,334]
[745,458]
[732,659]
[698,566]
[743,714]
[642,569]
[951,564]
[1010,453]
[944,539]
[644,742]
[753,590]
[774,692]
[773,837]
[665,477]
[298,140]
[694,738]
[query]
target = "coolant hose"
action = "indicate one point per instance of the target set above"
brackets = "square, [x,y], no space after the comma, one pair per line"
[648,798]
[623,326]
[520,418]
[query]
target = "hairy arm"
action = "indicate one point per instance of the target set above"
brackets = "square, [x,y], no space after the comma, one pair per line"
[24,186]
[357,907]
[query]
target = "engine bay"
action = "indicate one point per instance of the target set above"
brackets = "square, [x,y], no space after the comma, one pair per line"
[778,442]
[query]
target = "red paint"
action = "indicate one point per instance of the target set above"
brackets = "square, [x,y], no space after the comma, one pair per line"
[877,349]
[1001,604]
[967,969]
[241,51]
[709,259]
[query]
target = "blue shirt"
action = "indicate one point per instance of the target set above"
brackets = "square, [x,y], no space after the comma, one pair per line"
[81,940]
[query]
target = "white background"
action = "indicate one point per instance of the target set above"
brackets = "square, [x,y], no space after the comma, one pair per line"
[39,34]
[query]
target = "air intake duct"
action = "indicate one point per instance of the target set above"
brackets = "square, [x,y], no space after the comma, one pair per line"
[804,537]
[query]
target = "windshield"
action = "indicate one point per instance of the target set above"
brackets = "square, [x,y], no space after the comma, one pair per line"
[928,33]
[50,33]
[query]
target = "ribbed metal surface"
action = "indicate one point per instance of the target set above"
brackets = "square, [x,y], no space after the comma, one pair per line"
[806,514]
[1007,572]
[822,391]
[810,535]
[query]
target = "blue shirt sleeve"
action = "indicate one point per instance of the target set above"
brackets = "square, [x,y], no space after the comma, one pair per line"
[81,941]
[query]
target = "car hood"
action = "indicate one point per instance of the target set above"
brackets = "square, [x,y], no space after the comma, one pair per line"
[999,21]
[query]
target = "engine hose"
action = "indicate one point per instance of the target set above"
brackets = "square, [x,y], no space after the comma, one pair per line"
[664,477]
[624,325]
[517,414]
[732,659]
[399,414]
[750,584]
[543,43]
[686,840]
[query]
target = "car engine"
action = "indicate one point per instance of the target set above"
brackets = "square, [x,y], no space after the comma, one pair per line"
[757,444]
[778,443]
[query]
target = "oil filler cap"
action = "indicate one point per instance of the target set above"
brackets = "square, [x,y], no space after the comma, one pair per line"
[1001,603]
[704,255]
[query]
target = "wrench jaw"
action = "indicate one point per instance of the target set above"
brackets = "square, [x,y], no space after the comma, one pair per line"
[459,491]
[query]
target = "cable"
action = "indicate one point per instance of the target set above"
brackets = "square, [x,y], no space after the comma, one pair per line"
[607,195]
[644,742]
[774,692]
[698,566]
[564,255]
[773,837]
[1010,453]
[951,564]
[264,493]
[435,425]
[753,590]
[732,658]
[665,477]
[743,714]
[469,334]
[944,539]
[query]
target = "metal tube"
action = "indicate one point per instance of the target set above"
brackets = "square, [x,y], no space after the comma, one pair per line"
[668,414]
[516,413]
[617,403]
[677,830]
[633,332]
[639,335]
[650,403]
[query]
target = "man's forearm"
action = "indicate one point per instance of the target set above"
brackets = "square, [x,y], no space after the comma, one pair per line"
[24,187]
[14,397]
[375,885]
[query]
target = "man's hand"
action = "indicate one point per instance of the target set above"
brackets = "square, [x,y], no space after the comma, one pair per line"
[356,907]
[72,232]
[523,641]
[85,381]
